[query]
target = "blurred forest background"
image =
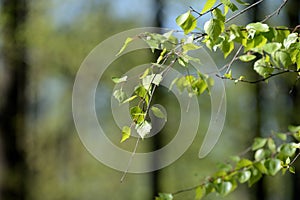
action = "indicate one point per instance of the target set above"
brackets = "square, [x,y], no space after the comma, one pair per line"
[42,45]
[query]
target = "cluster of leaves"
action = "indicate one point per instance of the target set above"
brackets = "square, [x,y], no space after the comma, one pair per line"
[171,51]
[270,156]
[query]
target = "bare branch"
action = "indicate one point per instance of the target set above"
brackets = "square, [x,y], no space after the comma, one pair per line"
[243,11]
[276,12]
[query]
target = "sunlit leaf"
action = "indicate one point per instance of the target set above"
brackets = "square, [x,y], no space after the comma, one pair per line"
[126,132]
[151,79]
[119,80]
[247,58]
[208,5]
[187,22]
[200,192]
[143,129]
[214,28]
[273,166]
[258,143]
[127,41]
[244,176]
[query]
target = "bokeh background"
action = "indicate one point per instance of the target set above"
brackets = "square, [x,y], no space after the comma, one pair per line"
[42,45]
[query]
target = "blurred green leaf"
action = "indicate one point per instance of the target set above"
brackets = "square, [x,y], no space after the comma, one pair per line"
[247,58]
[214,28]
[187,22]
[127,41]
[126,132]
[143,128]
[158,113]
[258,143]
[273,166]
[244,176]
[208,5]
[200,192]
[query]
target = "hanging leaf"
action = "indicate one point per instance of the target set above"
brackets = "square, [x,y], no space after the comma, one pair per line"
[119,80]
[164,196]
[200,192]
[247,58]
[208,5]
[214,28]
[187,22]
[273,165]
[143,129]
[151,79]
[229,4]
[127,41]
[158,113]
[126,132]
[259,143]
[244,176]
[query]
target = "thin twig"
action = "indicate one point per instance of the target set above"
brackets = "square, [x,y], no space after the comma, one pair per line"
[243,11]
[296,157]
[130,160]
[201,14]
[276,12]
[233,59]
[259,80]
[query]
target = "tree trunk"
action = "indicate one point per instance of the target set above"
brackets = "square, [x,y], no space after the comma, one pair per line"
[13,102]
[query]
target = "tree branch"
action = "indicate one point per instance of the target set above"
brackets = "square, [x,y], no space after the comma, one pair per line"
[276,12]
[243,11]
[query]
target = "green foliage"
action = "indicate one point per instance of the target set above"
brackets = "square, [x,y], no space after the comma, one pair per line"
[269,51]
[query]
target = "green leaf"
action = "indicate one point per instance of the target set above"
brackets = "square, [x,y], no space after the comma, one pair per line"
[271,145]
[292,169]
[127,41]
[231,5]
[226,47]
[243,163]
[286,150]
[291,39]
[143,128]
[146,72]
[294,129]
[255,176]
[273,166]
[208,5]
[164,196]
[224,188]
[120,95]
[242,3]
[189,46]
[244,176]
[270,48]
[187,22]
[119,80]
[151,79]
[200,192]
[281,136]
[126,132]
[137,114]
[258,143]
[262,68]
[247,58]
[158,113]
[130,99]
[258,26]
[261,167]
[259,154]
[218,14]
[214,28]
[283,58]
[298,61]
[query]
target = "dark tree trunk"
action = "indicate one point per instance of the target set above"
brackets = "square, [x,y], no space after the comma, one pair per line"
[155,177]
[13,101]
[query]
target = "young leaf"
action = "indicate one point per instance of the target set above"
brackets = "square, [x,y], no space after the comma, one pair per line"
[229,4]
[270,48]
[291,39]
[243,163]
[224,188]
[214,28]
[187,22]
[143,129]
[164,196]
[218,14]
[137,114]
[208,5]
[151,79]
[258,26]
[281,136]
[158,113]
[258,143]
[273,165]
[247,58]
[119,80]
[244,176]
[126,132]
[242,3]
[130,99]
[200,192]
[262,68]
[127,41]
[255,176]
